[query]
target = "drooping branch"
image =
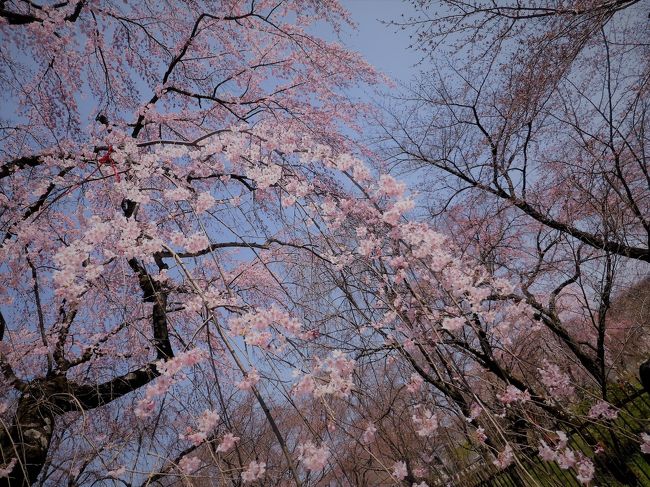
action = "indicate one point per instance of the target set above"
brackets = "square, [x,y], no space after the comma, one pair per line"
[244,245]
[591,239]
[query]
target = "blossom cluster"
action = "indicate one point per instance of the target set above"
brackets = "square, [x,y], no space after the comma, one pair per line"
[193,243]
[170,372]
[333,376]
[8,468]
[250,380]
[425,421]
[602,410]
[255,470]
[415,383]
[368,435]
[567,458]
[256,326]
[505,457]
[512,395]
[399,470]
[314,458]
[76,264]
[189,465]
[557,382]
[206,423]
[228,442]
[645,443]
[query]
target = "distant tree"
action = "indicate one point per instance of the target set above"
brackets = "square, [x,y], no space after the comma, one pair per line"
[527,135]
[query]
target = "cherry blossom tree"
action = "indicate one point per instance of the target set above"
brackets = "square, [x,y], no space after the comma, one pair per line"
[207,279]
[527,136]
[161,163]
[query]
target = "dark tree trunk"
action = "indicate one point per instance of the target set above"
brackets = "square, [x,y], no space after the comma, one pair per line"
[644,375]
[27,440]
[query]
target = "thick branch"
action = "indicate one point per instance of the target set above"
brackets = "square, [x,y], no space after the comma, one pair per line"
[17,18]
[250,245]
[11,167]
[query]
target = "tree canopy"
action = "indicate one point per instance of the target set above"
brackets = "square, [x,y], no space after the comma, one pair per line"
[219,268]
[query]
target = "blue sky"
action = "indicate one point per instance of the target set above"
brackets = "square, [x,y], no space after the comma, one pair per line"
[383,46]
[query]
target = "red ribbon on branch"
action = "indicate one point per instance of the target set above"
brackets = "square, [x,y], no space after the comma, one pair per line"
[106,159]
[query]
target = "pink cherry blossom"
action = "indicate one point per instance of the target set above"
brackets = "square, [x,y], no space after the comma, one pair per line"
[585,470]
[513,395]
[415,383]
[250,380]
[562,439]
[391,187]
[557,382]
[505,458]
[196,242]
[227,443]
[566,459]
[603,410]
[546,453]
[144,408]
[474,411]
[453,324]
[313,458]
[204,202]
[206,424]
[368,435]
[305,386]
[399,471]
[255,470]
[645,443]
[480,435]
[8,468]
[190,201]
[208,420]
[425,421]
[189,465]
